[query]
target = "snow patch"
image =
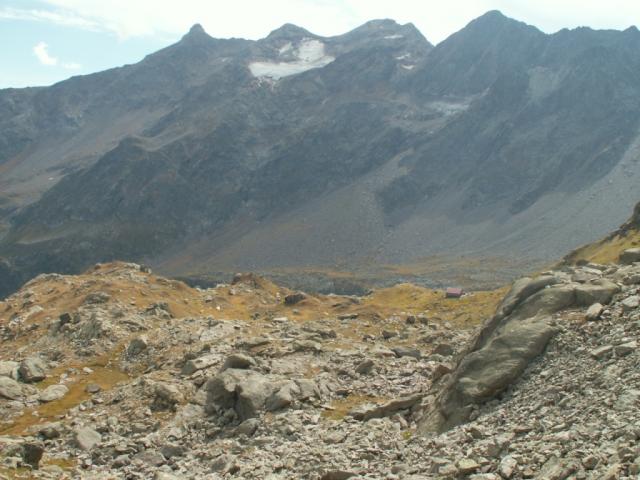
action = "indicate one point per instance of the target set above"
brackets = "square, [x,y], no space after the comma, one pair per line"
[449,108]
[402,57]
[393,37]
[408,67]
[286,48]
[310,54]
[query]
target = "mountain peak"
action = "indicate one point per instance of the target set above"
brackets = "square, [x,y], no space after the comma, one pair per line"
[289,31]
[196,33]
[388,29]
[196,29]
[494,19]
[494,15]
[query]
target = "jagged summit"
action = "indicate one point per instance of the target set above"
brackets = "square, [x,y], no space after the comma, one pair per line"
[387,28]
[196,34]
[380,23]
[494,20]
[289,31]
[196,29]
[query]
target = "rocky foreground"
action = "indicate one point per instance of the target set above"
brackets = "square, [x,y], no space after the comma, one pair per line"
[121,374]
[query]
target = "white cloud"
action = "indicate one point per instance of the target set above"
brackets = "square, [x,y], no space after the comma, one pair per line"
[67,19]
[41,50]
[255,18]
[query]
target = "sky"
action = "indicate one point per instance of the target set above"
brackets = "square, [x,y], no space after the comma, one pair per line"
[46,41]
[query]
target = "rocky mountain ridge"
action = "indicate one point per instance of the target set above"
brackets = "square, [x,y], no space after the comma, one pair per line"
[300,151]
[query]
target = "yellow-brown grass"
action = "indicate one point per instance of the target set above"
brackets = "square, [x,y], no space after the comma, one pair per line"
[607,250]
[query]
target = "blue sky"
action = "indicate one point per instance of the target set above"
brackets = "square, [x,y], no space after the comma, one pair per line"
[46,41]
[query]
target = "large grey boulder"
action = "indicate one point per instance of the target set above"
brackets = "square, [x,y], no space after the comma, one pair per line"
[166,397]
[631,303]
[488,371]
[200,363]
[86,438]
[524,288]
[10,389]
[518,332]
[249,393]
[9,369]
[630,256]
[53,392]
[137,346]
[252,396]
[32,369]
[282,397]
[594,312]
[244,391]
[545,302]
[238,360]
[599,291]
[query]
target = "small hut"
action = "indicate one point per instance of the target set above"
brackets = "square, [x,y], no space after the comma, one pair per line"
[453,292]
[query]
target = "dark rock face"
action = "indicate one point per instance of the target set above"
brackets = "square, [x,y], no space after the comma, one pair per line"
[219,155]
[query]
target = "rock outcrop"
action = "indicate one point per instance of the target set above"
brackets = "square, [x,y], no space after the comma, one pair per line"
[504,347]
[248,394]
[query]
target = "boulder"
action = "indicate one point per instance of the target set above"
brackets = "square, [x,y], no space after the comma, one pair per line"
[248,427]
[294,298]
[166,397]
[508,342]
[601,352]
[92,388]
[283,397]
[594,312]
[32,369]
[32,454]
[238,360]
[85,438]
[244,391]
[486,372]
[365,367]
[630,256]
[10,389]
[252,396]
[467,466]
[631,303]
[49,431]
[137,346]
[625,349]
[171,450]
[9,369]
[250,393]
[200,363]
[522,289]
[545,302]
[599,291]
[407,352]
[97,298]
[307,389]
[53,392]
